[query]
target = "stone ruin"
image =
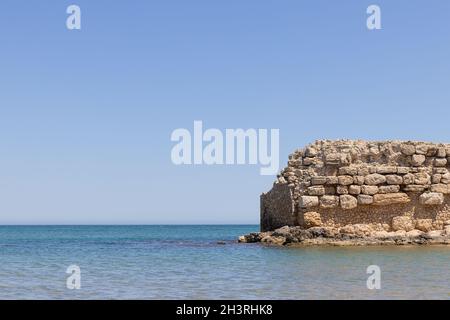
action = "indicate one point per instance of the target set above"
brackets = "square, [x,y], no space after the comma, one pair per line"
[387,186]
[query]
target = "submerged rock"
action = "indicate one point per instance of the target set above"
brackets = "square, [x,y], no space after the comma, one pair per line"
[350,235]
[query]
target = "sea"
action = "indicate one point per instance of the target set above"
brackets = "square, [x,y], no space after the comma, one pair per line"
[206,262]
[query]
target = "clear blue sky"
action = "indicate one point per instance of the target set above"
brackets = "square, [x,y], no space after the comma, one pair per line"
[86,116]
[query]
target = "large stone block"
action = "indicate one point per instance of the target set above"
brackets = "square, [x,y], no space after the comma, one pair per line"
[375,179]
[389,189]
[417,160]
[351,171]
[438,162]
[345,180]
[354,189]
[364,199]
[422,148]
[441,152]
[408,178]
[436,178]
[318,180]
[422,178]
[308,202]
[431,199]
[348,202]
[408,149]
[390,199]
[440,188]
[329,202]
[342,190]
[332,180]
[316,191]
[386,169]
[394,179]
[359,180]
[333,159]
[445,178]
[369,190]
[403,170]
[415,188]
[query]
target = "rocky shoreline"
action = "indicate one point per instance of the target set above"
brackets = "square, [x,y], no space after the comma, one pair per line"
[355,235]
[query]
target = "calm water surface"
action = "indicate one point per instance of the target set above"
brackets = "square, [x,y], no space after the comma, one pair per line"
[186,262]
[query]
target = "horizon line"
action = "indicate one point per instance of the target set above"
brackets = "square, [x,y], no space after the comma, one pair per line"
[128,224]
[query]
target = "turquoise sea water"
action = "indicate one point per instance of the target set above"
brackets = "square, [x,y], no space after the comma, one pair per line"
[187,262]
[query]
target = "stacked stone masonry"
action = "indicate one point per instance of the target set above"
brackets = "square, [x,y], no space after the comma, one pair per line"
[390,186]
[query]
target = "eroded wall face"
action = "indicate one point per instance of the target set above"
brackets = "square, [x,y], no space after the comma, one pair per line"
[385,184]
[277,208]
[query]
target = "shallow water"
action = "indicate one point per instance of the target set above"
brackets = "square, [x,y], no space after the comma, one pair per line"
[186,262]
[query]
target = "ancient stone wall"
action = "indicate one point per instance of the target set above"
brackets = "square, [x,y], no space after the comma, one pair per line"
[388,186]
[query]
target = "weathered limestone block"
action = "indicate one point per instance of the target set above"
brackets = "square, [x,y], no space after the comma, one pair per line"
[415,188]
[402,223]
[277,207]
[372,169]
[331,190]
[333,159]
[424,225]
[390,199]
[351,171]
[311,152]
[329,202]
[417,160]
[375,179]
[441,171]
[354,189]
[363,171]
[438,162]
[345,180]
[394,179]
[332,180]
[408,178]
[445,178]
[318,180]
[403,170]
[431,199]
[348,202]
[422,178]
[369,190]
[312,219]
[436,178]
[432,150]
[342,190]
[386,170]
[364,199]
[389,189]
[422,149]
[359,180]
[440,188]
[308,202]
[316,191]
[308,161]
[408,149]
